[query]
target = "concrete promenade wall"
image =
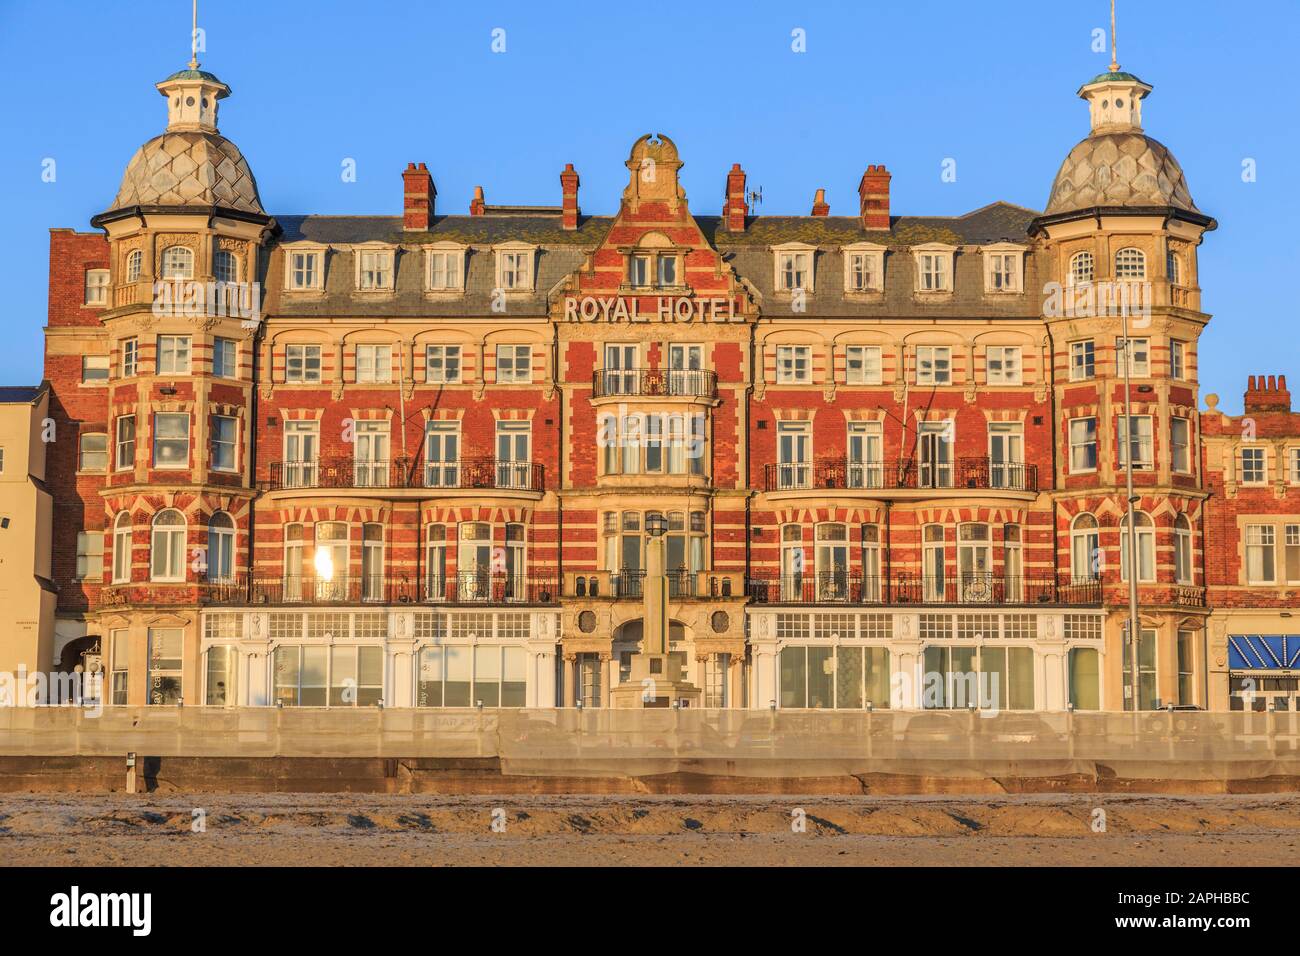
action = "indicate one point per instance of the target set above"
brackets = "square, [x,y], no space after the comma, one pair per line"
[637,751]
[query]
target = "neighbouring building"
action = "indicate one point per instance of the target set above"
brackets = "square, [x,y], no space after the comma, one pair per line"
[27,590]
[320,460]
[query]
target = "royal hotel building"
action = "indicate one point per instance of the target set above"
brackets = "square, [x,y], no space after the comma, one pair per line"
[410,458]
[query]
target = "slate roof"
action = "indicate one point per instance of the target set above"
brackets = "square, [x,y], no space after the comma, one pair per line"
[563,251]
[19,394]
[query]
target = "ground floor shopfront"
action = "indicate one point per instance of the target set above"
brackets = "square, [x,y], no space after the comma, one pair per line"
[792,658]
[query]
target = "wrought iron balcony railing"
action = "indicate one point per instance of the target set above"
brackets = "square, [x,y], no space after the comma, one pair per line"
[844,475]
[463,473]
[655,383]
[631,583]
[467,587]
[972,589]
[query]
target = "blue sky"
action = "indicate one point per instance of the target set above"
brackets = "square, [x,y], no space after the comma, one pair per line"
[386,82]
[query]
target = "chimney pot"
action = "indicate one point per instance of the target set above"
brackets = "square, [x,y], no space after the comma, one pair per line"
[477,205]
[418,195]
[820,207]
[733,210]
[873,197]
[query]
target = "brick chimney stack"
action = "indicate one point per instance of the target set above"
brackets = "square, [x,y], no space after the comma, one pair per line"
[569,192]
[418,194]
[478,205]
[1267,394]
[873,194]
[820,206]
[733,210]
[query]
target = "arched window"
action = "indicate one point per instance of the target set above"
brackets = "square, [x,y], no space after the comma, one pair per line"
[1182,550]
[134,262]
[225,267]
[792,562]
[1130,263]
[1013,569]
[331,560]
[932,562]
[871,562]
[832,561]
[221,548]
[122,548]
[1082,268]
[167,550]
[435,574]
[177,263]
[1173,268]
[372,562]
[474,561]
[1085,552]
[293,555]
[1146,545]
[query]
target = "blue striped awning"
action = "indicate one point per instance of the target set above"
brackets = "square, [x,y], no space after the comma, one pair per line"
[1263,651]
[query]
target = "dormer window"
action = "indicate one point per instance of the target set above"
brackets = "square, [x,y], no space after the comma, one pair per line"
[794,270]
[305,269]
[933,268]
[515,269]
[374,270]
[446,270]
[645,270]
[864,268]
[1002,268]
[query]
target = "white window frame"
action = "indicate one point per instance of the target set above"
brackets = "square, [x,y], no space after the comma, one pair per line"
[178,268]
[793,264]
[446,262]
[1266,543]
[1186,445]
[94,363]
[514,376]
[1137,367]
[304,360]
[934,268]
[1259,454]
[177,367]
[1130,268]
[794,364]
[928,361]
[870,362]
[223,345]
[121,462]
[872,258]
[225,255]
[81,452]
[1081,371]
[515,267]
[1077,274]
[233,444]
[373,370]
[312,277]
[1004,268]
[97,283]
[443,354]
[1095,442]
[1178,359]
[1293,455]
[130,357]
[175,564]
[1009,362]
[375,270]
[89,560]
[157,437]
[1145,439]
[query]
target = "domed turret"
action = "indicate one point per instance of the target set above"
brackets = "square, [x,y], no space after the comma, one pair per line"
[191,164]
[1118,165]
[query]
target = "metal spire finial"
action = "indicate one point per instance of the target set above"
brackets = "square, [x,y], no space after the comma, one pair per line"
[194,33]
[1114,48]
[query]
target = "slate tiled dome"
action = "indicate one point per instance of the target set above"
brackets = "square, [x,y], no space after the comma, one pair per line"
[189,168]
[1119,169]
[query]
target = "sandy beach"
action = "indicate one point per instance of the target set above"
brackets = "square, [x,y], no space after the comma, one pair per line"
[368,830]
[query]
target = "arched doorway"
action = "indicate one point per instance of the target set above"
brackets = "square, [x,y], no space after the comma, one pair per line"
[80,657]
